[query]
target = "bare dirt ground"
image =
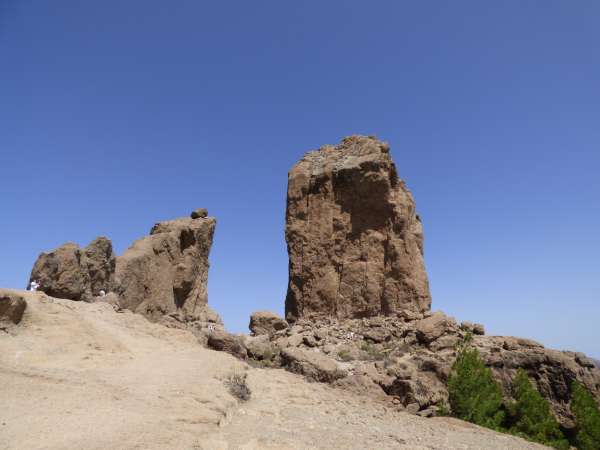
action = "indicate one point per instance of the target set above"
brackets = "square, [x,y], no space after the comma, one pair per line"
[81,376]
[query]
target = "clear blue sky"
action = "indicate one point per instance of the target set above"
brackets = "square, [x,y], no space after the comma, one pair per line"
[117,114]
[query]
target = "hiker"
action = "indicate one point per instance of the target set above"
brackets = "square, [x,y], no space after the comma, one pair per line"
[33,286]
[102,292]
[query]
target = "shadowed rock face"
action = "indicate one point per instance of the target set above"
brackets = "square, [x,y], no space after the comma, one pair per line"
[166,272]
[354,240]
[74,273]
[12,307]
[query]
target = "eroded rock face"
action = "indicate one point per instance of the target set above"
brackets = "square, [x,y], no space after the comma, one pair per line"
[354,239]
[166,273]
[76,274]
[12,308]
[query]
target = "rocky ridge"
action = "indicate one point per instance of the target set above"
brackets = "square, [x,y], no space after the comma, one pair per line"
[408,361]
[163,275]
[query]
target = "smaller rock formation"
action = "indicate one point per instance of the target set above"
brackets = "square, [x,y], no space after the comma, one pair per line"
[162,276]
[73,273]
[166,273]
[12,308]
[354,239]
[474,328]
[266,322]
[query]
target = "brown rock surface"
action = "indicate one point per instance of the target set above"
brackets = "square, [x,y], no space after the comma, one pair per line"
[12,307]
[266,322]
[166,273]
[314,366]
[435,326]
[73,273]
[354,239]
[223,341]
[162,276]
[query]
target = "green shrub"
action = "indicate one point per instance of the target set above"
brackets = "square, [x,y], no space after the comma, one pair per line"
[530,416]
[473,393]
[587,418]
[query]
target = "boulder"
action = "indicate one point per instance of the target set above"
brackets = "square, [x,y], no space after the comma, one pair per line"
[260,348]
[73,273]
[225,342]
[199,213]
[313,365]
[12,308]
[354,240]
[166,273]
[475,328]
[434,326]
[266,322]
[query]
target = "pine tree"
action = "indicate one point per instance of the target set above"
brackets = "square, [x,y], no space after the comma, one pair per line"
[587,418]
[473,393]
[530,416]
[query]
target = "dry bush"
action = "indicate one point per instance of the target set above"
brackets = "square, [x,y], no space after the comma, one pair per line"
[236,383]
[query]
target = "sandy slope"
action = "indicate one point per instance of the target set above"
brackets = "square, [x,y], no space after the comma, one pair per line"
[80,376]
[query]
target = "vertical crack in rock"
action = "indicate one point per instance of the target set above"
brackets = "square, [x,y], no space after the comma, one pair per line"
[354,240]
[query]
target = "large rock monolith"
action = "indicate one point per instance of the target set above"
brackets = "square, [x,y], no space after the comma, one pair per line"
[355,242]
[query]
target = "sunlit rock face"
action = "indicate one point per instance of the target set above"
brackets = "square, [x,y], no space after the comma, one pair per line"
[355,242]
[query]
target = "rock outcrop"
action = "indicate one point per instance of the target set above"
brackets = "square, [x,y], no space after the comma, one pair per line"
[355,242]
[266,322]
[410,360]
[76,274]
[12,308]
[166,273]
[162,276]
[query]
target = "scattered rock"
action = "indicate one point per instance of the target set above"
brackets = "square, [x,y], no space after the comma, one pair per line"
[354,240]
[261,349]
[266,322]
[377,335]
[225,342]
[435,326]
[412,408]
[315,366]
[515,343]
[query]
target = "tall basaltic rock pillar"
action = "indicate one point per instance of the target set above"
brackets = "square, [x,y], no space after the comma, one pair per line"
[355,242]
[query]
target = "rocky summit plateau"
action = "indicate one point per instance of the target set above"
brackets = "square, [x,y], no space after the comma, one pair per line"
[124,351]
